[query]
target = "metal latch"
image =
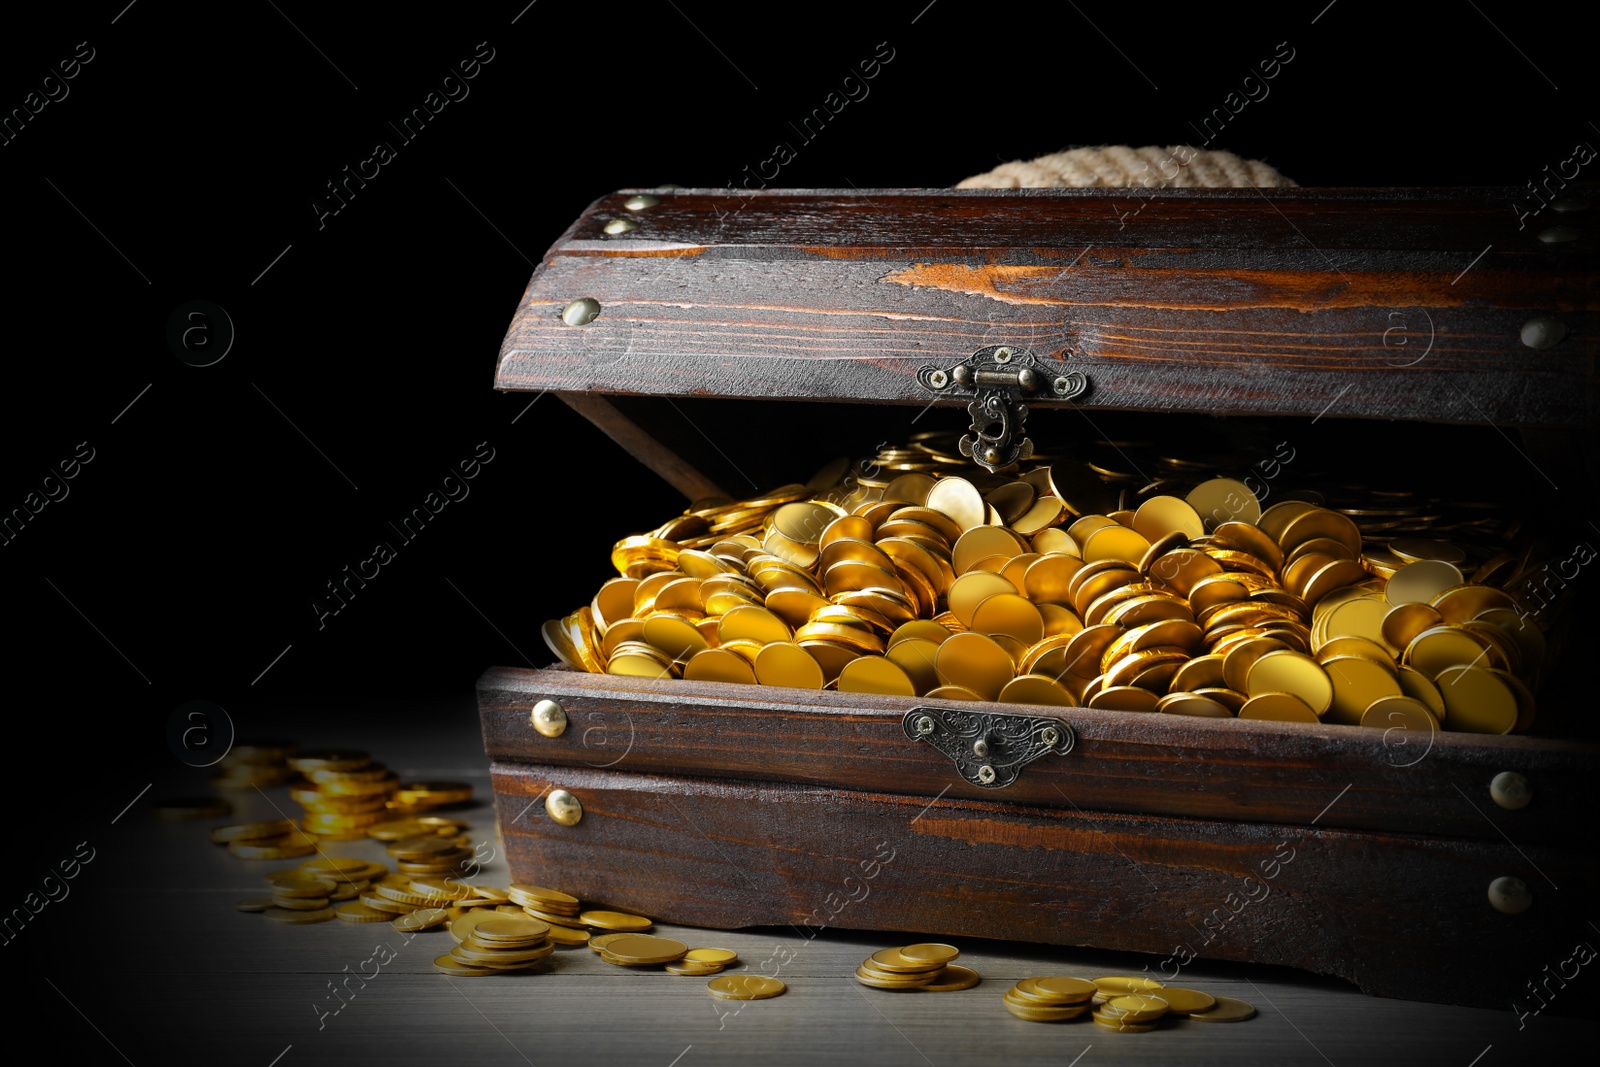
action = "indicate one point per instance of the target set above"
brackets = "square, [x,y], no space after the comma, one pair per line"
[988,748]
[997,378]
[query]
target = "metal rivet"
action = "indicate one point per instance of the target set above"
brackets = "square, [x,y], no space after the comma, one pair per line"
[962,374]
[563,807]
[641,202]
[938,379]
[1510,790]
[980,748]
[1510,896]
[1062,386]
[991,455]
[986,774]
[616,226]
[549,718]
[1002,355]
[1028,378]
[925,725]
[1556,235]
[1543,333]
[1050,736]
[580,312]
[1566,204]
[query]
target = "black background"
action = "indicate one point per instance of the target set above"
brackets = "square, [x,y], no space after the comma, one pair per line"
[185,161]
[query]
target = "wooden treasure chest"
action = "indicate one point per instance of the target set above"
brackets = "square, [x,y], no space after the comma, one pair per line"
[1192,572]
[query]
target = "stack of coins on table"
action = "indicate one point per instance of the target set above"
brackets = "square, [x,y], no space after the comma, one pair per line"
[306,894]
[923,967]
[560,910]
[1123,1004]
[277,839]
[1046,1000]
[253,766]
[343,792]
[496,945]
[937,584]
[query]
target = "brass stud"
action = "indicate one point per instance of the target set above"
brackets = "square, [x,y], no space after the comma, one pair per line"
[619,226]
[980,748]
[580,312]
[1510,896]
[641,202]
[549,718]
[1542,333]
[1510,790]
[563,807]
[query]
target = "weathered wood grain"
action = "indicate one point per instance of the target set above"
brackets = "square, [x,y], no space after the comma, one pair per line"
[1218,301]
[1381,910]
[1226,770]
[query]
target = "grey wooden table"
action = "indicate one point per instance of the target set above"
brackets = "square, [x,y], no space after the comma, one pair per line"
[146,962]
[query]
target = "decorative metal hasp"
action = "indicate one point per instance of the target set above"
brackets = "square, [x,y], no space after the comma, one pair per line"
[997,378]
[988,748]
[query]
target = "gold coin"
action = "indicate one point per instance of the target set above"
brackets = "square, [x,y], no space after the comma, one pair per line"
[1357,684]
[976,662]
[693,970]
[1182,703]
[299,903]
[1477,701]
[786,664]
[1416,548]
[882,980]
[981,542]
[1182,1001]
[1358,617]
[1279,707]
[960,500]
[953,692]
[1291,672]
[640,949]
[912,488]
[1202,672]
[1124,698]
[755,623]
[355,912]
[477,953]
[1418,686]
[930,952]
[509,929]
[421,919]
[1033,1013]
[1466,602]
[1356,646]
[1135,1007]
[1064,989]
[1036,689]
[1159,516]
[296,882]
[295,917]
[1044,512]
[448,964]
[674,636]
[719,665]
[1007,613]
[875,674]
[1223,500]
[555,899]
[890,960]
[1336,575]
[1227,1010]
[291,848]
[722,956]
[1119,1025]
[1401,713]
[1241,658]
[972,589]
[615,920]
[918,659]
[636,664]
[461,927]
[1055,540]
[1420,582]
[254,904]
[954,977]
[1441,647]
[1122,985]
[745,987]
[1115,542]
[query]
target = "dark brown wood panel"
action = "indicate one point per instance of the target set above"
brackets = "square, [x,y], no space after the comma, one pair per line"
[1225,304]
[1384,911]
[1333,776]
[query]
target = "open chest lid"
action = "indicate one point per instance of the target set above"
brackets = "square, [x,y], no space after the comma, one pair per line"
[1441,305]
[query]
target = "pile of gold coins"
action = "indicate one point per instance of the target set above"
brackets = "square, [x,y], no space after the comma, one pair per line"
[1120,1004]
[277,839]
[344,793]
[926,585]
[928,968]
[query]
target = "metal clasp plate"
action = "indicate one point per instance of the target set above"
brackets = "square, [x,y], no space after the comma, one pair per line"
[996,378]
[989,748]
